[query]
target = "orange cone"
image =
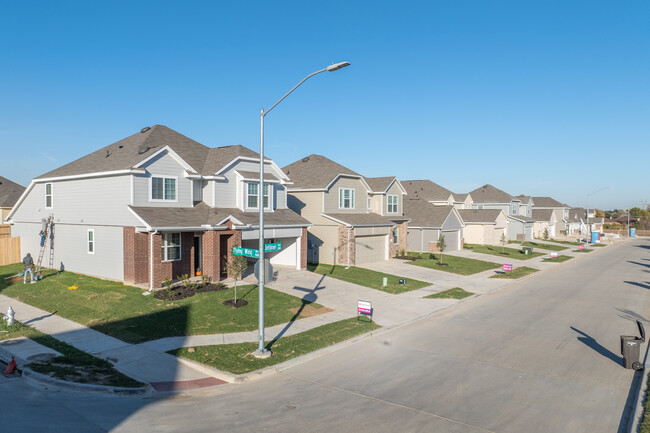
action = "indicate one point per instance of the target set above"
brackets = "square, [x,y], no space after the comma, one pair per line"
[11,367]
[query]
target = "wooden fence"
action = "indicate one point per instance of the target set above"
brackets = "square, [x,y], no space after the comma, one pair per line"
[5,231]
[9,250]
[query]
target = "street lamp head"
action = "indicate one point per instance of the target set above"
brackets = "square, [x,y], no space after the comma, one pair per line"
[336,66]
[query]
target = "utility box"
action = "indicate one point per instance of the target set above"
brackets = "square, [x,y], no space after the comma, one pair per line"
[528,250]
[631,348]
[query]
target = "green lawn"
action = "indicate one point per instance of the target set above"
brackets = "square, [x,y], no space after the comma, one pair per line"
[455,293]
[502,251]
[237,358]
[586,250]
[454,264]
[558,259]
[543,246]
[122,312]
[572,243]
[368,278]
[645,420]
[597,245]
[515,273]
[74,366]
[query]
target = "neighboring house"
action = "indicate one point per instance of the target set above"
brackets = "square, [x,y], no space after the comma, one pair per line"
[484,226]
[429,191]
[463,201]
[10,192]
[545,222]
[384,200]
[560,214]
[428,222]
[157,205]
[339,204]
[525,206]
[576,223]
[520,225]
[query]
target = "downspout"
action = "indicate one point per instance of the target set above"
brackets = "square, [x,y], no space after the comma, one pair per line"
[151,260]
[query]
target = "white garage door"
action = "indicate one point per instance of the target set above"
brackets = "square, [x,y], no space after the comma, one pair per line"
[452,240]
[370,249]
[528,230]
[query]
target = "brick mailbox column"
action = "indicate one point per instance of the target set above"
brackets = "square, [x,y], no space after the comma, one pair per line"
[210,245]
[303,249]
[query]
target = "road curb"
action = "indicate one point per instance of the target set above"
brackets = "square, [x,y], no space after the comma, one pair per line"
[634,421]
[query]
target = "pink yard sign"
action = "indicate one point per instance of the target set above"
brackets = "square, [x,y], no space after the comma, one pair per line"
[364,307]
[553,255]
[581,247]
[507,268]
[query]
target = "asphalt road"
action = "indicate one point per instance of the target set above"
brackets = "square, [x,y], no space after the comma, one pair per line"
[541,355]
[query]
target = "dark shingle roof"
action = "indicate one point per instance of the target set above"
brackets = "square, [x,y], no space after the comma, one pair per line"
[219,156]
[546,202]
[542,214]
[361,219]
[425,214]
[10,192]
[577,214]
[490,194]
[315,172]
[379,184]
[202,214]
[475,216]
[426,190]
[460,197]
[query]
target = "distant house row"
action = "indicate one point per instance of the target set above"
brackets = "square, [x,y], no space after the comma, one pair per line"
[157,205]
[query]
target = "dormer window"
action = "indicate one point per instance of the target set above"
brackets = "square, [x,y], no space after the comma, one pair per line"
[392,204]
[163,188]
[252,195]
[346,198]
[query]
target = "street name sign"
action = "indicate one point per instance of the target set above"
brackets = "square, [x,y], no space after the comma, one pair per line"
[246,252]
[269,248]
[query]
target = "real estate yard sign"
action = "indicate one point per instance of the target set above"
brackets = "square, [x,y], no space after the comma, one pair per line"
[507,268]
[553,255]
[581,247]
[364,308]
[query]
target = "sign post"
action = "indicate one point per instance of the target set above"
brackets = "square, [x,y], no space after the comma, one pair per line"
[364,308]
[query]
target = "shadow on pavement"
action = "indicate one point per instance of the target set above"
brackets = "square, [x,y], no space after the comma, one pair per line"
[642,285]
[632,316]
[637,263]
[590,342]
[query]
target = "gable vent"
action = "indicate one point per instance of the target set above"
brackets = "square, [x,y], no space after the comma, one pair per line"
[145,129]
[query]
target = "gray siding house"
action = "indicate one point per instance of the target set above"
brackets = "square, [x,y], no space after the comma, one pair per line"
[10,192]
[520,221]
[557,219]
[158,205]
[428,222]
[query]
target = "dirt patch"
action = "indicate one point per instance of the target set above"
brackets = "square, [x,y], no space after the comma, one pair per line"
[310,310]
[182,292]
[235,304]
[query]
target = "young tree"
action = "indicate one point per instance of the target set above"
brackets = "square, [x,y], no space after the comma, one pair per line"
[504,242]
[545,235]
[236,267]
[441,246]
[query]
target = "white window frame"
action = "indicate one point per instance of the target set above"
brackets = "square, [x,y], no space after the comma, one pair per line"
[513,209]
[165,246]
[164,178]
[369,203]
[342,198]
[50,195]
[268,195]
[90,243]
[396,204]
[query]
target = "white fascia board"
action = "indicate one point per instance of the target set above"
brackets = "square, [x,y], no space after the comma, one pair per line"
[306,190]
[270,226]
[229,218]
[336,220]
[89,175]
[171,152]
[213,177]
[399,184]
[353,176]
[20,201]
[144,223]
[246,158]
[250,179]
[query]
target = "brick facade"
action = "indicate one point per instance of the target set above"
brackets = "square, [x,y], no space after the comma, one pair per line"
[136,256]
[303,249]
[400,246]
[342,252]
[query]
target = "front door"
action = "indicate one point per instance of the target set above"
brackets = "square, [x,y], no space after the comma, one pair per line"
[223,252]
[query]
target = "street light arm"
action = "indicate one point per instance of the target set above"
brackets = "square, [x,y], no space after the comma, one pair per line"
[264,113]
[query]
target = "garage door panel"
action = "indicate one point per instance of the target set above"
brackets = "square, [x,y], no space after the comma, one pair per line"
[452,240]
[369,249]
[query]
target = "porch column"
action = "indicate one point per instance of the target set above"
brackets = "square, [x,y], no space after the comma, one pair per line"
[210,247]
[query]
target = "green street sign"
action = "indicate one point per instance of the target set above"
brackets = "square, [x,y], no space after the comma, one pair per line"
[272,247]
[246,252]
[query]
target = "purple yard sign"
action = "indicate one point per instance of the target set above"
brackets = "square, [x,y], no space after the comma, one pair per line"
[507,268]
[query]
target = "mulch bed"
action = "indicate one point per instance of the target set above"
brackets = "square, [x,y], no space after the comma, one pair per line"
[408,258]
[182,292]
[232,303]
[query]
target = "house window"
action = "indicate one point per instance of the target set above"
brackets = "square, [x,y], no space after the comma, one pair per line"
[252,194]
[346,198]
[395,237]
[163,188]
[369,203]
[392,204]
[91,241]
[513,209]
[171,247]
[48,196]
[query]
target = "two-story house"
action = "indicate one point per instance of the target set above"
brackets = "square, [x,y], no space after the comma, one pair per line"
[351,221]
[429,191]
[520,227]
[10,192]
[158,205]
[551,212]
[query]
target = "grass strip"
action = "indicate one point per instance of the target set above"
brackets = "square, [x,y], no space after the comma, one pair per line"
[74,365]
[543,246]
[368,278]
[122,312]
[238,358]
[515,273]
[644,426]
[586,250]
[558,259]
[502,251]
[453,264]
[455,293]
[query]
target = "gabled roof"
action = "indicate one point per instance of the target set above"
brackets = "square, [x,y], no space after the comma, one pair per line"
[427,190]
[460,197]
[542,214]
[547,202]
[380,184]
[128,152]
[476,216]
[425,214]
[359,219]
[577,214]
[315,172]
[10,192]
[522,218]
[490,194]
[218,157]
[524,198]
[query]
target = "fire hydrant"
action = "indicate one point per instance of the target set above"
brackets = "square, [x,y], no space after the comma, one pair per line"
[10,316]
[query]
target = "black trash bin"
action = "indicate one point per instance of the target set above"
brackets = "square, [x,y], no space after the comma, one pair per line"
[631,348]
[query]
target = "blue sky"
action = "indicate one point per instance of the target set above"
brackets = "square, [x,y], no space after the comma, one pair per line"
[539,98]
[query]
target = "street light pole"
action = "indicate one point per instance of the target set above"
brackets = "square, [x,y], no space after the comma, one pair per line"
[588,226]
[263,352]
